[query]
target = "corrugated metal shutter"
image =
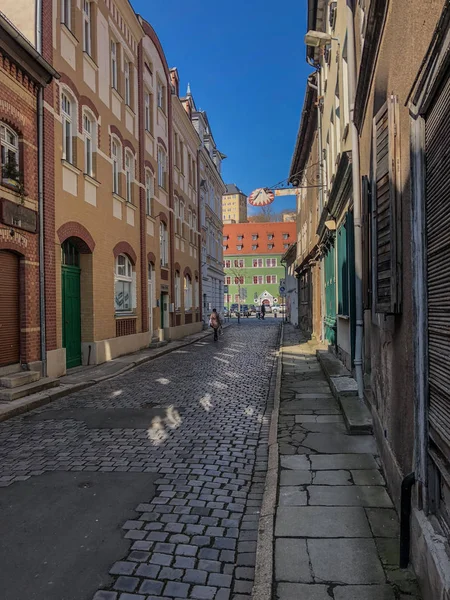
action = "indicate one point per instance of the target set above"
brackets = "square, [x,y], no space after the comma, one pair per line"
[387,209]
[437,133]
[9,309]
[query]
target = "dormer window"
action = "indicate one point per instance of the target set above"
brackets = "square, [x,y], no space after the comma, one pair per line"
[240,238]
[270,246]
[239,247]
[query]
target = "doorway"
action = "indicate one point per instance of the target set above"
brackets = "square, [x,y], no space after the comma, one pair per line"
[164,302]
[71,304]
[9,315]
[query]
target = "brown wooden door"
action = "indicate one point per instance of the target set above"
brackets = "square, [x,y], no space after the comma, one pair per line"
[9,309]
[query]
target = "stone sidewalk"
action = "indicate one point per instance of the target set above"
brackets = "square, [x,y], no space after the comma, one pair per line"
[336,531]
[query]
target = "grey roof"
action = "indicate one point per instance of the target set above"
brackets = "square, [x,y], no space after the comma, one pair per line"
[232,188]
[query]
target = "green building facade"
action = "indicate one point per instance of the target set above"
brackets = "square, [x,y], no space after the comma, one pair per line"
[253,278]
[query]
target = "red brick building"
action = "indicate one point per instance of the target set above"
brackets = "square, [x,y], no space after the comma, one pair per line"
[23,75]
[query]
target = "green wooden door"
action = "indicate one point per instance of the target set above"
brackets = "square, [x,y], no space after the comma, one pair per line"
[330,295]
[71,314]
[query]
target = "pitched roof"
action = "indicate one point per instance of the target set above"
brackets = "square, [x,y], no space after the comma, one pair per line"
[232,188]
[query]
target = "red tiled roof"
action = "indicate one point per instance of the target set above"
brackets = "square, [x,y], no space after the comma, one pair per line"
[232,231]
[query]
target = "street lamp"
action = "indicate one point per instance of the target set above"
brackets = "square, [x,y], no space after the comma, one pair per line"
[316,39]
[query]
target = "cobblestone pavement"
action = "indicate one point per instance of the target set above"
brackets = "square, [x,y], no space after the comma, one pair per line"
[197,418]
[336,533]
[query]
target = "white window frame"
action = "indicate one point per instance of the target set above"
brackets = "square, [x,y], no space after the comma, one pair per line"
[89,130]
[66,13]
[67,125]
[116,152]
[255,247]
[127,79]
[123,277]
[162,166]
[228,264]
[129,176]
[87,27]
[147,111]
[160,96]
[187,293]
[9,149]
[149,191]
[114,64]
[163,244]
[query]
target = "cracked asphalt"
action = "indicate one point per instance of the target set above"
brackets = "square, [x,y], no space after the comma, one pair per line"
[145,486]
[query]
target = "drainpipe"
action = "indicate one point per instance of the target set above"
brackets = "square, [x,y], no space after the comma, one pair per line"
[321,172]
[356,201]
[405,519]
[40,135]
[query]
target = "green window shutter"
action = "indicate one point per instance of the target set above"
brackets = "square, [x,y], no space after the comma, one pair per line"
[366,243]
[387,209]
[342,272]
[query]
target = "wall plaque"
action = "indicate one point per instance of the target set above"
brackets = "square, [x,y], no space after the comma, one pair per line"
[16,215]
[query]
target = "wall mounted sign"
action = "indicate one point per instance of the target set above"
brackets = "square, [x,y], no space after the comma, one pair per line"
[18,216]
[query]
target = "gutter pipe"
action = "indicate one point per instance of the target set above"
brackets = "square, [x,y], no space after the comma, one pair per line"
[356,184]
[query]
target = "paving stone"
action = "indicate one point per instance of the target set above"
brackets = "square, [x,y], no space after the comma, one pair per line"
[292,561]
[104,595]
[383,522]
[321,521]
[369,477]
[201,592]
[298,591]
[332,478]
[325,462]
[212,566]
[370,496]
[366,592]
[123,568]
[345,561]
[126,584]
[195,576]
[184,562]
[176,589]
[301,463]
[150,571]
[290,478]
[170,574]
[292,496]
[161,559]
[150,586]
[340,443]
[186,550]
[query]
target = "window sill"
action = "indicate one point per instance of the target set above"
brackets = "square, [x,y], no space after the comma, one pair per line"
[345,133]
[125,315]
[166,267]
[163,189]
[129,110]
[69,34]
[119,198]
[150,218]
[90,60]
[131,205]
[161,110]
[343,317]
[12,186]
[150,134]
[70,166]
[116,94]
[91,180]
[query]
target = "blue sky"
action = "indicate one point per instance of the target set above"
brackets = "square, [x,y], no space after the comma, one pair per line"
[245,61]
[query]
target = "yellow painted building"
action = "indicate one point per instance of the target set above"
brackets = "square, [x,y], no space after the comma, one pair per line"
[234,205]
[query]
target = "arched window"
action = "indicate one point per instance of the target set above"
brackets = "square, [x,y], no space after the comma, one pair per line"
[177,290]
[162,168]
[89,132]
[149,190]
[187,293]
[129,175]
[9,157]
[116,153]
[163,244]
[68,114]
[123,284]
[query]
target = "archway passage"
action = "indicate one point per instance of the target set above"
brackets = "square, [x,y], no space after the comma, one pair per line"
[9,313]
[71,303]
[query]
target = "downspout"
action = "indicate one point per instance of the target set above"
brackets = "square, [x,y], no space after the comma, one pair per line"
[40,158]
[356,183]
[321,172]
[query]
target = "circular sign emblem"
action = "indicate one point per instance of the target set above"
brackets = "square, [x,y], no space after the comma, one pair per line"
[261,197]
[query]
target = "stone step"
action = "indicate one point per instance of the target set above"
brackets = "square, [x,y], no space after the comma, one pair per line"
[17,379]
[9,394]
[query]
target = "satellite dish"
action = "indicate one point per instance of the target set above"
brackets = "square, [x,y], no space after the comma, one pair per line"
[261,197]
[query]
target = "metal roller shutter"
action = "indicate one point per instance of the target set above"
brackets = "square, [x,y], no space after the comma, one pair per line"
[437,134]
[9,309]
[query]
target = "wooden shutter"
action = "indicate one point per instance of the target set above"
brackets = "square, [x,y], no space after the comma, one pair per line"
[387,209]
[437,135]
[366,242]
[9,314]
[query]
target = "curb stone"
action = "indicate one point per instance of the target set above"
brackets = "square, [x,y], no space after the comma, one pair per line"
[263,582]
[29,403]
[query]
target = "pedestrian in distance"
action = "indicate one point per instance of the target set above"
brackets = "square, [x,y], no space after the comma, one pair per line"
[263,311]
[215,323]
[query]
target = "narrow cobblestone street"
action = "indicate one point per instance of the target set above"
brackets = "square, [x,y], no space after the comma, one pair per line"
[156,476]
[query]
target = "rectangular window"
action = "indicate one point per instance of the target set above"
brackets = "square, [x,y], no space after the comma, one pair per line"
[255,247]
[88,151]
[238,247]
[66,111]
[254,236]
[177,291]
[227,264]
[271,278]
[228,280]
[115,164]
[149,191]
[147,112]
[255,279]
[271,262]
[187,293]
[162,165]
[9,158]
[239,263]
[163,245]
[127,83]
[87,31]
[236,298]
[160,97]
[270,246]
[260,262]
[129,166]
[114,59]
[66,13]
